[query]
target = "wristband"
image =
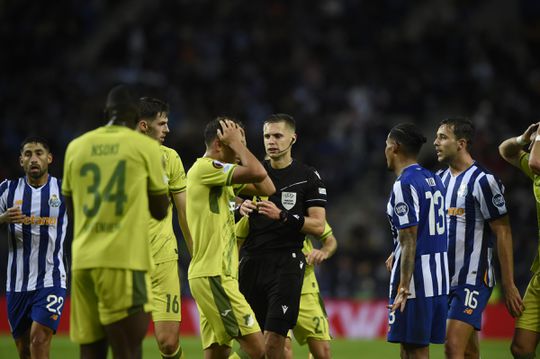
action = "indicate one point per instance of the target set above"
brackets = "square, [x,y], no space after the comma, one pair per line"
[293,220]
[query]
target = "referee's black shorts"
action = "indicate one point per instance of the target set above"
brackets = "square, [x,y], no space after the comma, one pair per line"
[272,285]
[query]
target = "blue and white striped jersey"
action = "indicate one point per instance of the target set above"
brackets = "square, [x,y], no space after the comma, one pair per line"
[473,197]
[35,246]
[417,199]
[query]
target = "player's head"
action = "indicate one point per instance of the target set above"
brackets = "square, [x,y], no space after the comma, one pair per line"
[279,133]
[122,106]
[454,137]
[225,153]
[154,118]
[404,141]
[35,157]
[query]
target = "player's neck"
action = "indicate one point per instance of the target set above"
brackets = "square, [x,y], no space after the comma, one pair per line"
[460,164]
[404,163]
[37,182]
[281,161]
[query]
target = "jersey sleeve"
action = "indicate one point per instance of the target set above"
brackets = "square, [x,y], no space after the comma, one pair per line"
[176,173]
[524,165]
[326,233]
[157,180]
[217,173]
[66,177]
[489,192]
[3,195]
[316,190]
[405,206]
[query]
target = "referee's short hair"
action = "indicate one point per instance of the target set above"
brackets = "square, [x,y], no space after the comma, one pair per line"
[409,137]
[282,117]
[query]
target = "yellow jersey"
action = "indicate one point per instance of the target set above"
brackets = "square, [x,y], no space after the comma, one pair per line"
[524,165]
[210,206]
[162,238]
[108,173]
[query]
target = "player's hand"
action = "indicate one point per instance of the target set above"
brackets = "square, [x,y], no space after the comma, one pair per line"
[247,207]
[530,133]
[513,302]
[401,300]
[389,262]
[230,133]
[316,256]
[13,215]
[269,209]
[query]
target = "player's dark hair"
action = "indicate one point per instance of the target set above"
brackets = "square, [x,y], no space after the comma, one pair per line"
[36,139]
[151,107]
[210,131]
[282,117]
[409,137]
[122,105]
[463,128]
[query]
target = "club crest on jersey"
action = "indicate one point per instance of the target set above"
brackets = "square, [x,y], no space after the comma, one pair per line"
[498,200]
[462,191]
[401,209]
[288,199]
[54,201]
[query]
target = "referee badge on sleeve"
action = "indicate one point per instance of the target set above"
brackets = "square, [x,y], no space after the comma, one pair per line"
[288,200]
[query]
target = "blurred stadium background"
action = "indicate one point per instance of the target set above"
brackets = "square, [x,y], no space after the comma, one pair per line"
[347,70]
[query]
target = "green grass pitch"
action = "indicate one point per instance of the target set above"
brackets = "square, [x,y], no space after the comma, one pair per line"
[341,349]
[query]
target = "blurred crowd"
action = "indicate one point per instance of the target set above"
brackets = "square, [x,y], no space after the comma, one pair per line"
[347,70]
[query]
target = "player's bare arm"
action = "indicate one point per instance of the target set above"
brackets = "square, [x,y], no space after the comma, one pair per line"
[389,263]
[512,148]
[407,239]
[12,215]
[179,200]
[250,169]
[501,229]
[317,256]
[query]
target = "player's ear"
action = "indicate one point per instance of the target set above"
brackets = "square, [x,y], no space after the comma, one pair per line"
[49,158]
[142,126]
[293,139]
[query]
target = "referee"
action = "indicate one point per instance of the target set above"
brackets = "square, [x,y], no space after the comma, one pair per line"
[272,269]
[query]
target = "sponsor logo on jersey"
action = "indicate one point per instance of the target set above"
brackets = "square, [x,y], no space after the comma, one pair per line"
[468,311]
[288,199]
[225,312]
[284,308]
[498,200]
[54,201]
[322,190]
[456,211]
[401,209]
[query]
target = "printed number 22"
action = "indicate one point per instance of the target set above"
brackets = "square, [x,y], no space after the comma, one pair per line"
[436,225]
[55,301]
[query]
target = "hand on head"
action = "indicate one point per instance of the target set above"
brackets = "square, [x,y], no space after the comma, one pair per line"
[230,133]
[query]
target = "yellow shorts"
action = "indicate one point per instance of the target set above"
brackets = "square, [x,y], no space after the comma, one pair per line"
[224,312]
[530,318]
[102,296]
[166,292]
[312,319]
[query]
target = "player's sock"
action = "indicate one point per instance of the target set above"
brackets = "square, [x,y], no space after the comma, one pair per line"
[178,354]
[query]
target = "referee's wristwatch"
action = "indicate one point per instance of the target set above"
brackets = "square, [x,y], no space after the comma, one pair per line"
[283,216]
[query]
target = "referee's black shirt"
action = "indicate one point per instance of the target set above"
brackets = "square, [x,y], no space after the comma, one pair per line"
[298,187]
